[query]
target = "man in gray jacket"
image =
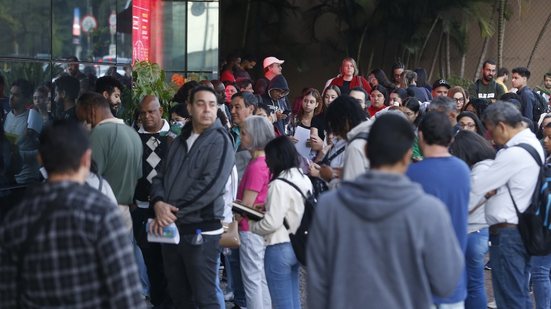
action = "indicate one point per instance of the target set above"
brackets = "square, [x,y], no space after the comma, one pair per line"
[380,241]
[189,191]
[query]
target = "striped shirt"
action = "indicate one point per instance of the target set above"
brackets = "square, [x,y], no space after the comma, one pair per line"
[81,258]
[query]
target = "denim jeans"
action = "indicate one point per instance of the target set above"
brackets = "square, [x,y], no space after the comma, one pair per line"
[541,272]
[251,257]
[477,246]
[219,292]
[459,305]
[281,267]
[191,271]
[235,274]
[142,270]
[510,269]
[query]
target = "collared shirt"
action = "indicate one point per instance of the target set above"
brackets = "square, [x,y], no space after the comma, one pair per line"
[513,166]
[81,258]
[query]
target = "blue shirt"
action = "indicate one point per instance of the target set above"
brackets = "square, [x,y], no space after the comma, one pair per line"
[448,179]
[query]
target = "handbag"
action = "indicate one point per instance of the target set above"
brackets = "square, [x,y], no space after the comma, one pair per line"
[230,237]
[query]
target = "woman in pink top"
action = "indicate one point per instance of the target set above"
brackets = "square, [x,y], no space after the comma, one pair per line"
[256,132]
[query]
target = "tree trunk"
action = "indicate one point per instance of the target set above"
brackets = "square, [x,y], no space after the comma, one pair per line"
[420,55]
[538,40]
[436,56]
[448,58]
[246,25]
[362,38]
[481,58]
[501,32]
[462,69]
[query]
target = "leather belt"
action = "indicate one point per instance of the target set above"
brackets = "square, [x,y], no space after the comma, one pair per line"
[496,227]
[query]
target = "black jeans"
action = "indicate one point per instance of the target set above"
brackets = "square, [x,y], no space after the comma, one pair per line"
[191,272]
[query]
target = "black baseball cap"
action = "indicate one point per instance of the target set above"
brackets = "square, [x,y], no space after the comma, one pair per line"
[441,82]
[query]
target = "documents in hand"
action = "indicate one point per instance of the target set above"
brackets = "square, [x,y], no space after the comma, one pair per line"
[170,234]
[302,135]
[251,213]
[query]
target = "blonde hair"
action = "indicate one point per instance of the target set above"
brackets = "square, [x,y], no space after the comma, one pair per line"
[351,60]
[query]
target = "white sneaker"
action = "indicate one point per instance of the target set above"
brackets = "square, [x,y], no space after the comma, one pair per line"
[492,305]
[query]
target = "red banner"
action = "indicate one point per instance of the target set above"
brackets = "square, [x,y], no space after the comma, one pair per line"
[141,30]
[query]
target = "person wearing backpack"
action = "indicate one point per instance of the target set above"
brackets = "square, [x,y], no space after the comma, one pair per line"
[380,241]
[514,169]
[284,206]
[528,99]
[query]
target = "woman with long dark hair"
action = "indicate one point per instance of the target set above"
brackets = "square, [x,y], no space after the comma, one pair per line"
[284,203]
[478,153]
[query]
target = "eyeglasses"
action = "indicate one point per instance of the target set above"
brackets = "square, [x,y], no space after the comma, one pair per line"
[459,99]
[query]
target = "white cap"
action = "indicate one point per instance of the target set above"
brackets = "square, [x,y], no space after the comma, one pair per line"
[271,60]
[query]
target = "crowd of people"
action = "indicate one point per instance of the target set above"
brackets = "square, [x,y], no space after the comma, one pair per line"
[415,184]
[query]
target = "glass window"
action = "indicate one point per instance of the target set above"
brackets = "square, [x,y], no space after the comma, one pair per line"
[82,28]
[202,37]
[25,28]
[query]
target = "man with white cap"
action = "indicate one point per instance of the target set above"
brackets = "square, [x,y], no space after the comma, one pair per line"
[272,68]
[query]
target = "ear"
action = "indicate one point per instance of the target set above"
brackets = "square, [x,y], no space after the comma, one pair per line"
[161,110]
[406,160]
[105,94]
[86,160]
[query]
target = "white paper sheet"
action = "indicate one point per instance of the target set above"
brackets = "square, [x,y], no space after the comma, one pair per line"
[302,135]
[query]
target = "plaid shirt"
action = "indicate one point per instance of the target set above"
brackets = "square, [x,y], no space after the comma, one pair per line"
[81,258]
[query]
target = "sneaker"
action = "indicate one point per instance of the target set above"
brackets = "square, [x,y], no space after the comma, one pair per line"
[228,296]
[492,305]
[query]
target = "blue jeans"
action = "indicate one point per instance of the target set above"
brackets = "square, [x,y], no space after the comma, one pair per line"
[541,270]
[142,270]
[239,298]
[477,246]
[281,266]
[510,269]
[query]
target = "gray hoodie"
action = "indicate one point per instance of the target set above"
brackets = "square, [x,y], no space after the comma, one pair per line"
[381,242]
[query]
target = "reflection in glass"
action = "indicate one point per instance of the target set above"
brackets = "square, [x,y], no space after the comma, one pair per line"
[202,37]
[82,28]
[25,28]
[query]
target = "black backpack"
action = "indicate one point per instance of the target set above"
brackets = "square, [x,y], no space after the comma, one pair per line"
[534,223]
[540,106]
[300,238]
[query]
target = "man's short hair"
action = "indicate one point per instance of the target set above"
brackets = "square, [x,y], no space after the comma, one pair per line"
[488,61]
[243,83]
[343,114]
[199,89]
[502,72]
[390,138]
[547,75]
[248,98]
[522,71]
[260,130]
[62,144]
[436,128]
[442,104]
[108,83]
[360,89]
[25,87]
[502,112]
[69,85]
[91,99]
[409,77]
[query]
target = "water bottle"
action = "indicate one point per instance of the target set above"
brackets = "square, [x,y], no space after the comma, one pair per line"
[198,238]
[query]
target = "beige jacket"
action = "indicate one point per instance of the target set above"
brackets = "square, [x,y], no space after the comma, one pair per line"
[283,201]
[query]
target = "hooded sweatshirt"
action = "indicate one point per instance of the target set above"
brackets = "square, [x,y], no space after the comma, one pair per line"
[371,249]
[278,82]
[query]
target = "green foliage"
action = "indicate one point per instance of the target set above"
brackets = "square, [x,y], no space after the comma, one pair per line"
[148,79]
[35,72]
[458,81]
